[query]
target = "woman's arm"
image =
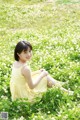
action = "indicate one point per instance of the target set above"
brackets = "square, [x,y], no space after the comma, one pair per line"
[27,74]
[35,72]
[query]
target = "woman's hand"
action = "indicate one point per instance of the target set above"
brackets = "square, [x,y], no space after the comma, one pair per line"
[44,73]
[41,70]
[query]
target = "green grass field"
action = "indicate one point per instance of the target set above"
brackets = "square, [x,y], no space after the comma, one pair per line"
[53,28]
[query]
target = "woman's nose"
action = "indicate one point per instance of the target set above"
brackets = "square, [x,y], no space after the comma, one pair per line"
[29,54]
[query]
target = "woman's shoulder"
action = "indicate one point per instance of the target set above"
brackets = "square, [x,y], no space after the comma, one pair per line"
[19,65]
[16,64]
[25,69]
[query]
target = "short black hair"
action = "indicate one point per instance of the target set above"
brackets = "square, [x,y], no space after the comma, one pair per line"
[21,46]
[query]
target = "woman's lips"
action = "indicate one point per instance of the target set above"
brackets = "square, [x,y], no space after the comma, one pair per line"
[28,57]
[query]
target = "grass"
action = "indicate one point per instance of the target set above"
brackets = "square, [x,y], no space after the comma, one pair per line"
[53,28]
[68,1]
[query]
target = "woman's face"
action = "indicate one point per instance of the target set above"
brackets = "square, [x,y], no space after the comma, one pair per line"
[25,55]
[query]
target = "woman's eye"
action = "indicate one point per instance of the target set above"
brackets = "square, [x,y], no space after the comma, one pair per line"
[25,51]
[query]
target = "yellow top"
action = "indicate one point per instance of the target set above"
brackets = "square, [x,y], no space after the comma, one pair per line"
[20,89]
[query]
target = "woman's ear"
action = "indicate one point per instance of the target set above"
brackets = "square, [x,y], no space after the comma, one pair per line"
[18,54]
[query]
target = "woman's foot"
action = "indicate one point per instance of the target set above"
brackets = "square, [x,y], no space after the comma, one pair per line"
[70,92]
[67,91]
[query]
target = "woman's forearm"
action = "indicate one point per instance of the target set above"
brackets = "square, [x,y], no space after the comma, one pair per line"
[38,79]
[35,72]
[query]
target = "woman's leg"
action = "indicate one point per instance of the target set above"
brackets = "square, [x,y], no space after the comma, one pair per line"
[52,82]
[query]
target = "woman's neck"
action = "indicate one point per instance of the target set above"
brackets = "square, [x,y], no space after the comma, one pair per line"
[22,62]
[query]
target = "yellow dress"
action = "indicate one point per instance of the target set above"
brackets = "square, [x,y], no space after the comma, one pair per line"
[20,89]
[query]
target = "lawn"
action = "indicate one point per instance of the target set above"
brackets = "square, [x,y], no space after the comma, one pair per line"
[53,28]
